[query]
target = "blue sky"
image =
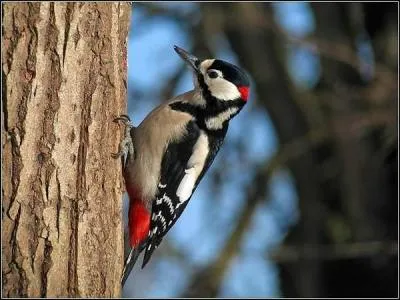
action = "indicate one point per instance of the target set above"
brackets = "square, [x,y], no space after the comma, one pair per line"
[150,60]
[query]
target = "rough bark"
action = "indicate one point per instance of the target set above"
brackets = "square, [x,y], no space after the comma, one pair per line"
[64,80]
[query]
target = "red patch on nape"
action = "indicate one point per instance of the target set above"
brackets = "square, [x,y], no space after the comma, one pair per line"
[244,92]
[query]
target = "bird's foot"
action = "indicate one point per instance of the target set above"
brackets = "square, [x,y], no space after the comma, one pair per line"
[126,149]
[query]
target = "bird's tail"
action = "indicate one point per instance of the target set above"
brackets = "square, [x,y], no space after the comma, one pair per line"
[129,263]
[131,260]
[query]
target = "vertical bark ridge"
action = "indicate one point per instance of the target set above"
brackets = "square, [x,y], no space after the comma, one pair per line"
[62,86]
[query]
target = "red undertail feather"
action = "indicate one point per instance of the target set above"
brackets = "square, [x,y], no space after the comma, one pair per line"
[139,219]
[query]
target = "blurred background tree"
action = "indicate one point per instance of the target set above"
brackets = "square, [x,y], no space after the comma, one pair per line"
[302,200]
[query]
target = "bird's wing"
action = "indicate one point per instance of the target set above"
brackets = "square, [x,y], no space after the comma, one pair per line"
[178,181]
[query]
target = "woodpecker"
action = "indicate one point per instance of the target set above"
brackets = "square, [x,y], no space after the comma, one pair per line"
[166,156]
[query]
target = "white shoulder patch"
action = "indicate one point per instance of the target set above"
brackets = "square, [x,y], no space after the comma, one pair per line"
[186,186]
[194,167]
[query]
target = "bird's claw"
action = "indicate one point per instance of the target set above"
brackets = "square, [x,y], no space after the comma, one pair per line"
[126,145]
[124,119]
[117,155]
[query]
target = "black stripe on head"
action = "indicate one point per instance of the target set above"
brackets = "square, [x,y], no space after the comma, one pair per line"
[204,88]
[231,72]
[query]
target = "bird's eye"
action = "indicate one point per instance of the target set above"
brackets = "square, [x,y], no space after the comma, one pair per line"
[212,74]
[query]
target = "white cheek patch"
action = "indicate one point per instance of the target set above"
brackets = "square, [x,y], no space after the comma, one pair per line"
[217,122]
[194,167]
[223,89]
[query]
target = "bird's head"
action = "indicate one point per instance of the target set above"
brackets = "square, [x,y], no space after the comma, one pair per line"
[217,79]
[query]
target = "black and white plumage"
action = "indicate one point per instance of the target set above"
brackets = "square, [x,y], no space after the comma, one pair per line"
[174,146]
[183,166]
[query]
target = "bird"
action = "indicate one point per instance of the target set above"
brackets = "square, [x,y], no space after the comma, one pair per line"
[166,156]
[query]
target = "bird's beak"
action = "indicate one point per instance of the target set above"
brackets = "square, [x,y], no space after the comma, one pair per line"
[190,59]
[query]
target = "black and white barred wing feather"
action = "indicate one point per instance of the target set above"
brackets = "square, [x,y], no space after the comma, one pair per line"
[182,168]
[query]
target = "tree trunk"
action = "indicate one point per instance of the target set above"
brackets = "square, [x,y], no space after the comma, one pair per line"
[64,80]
